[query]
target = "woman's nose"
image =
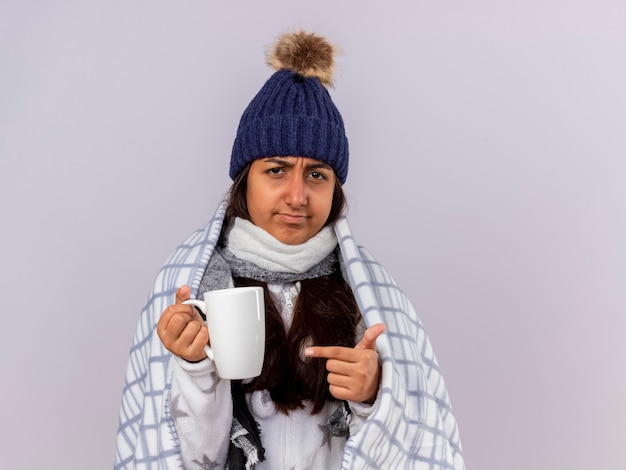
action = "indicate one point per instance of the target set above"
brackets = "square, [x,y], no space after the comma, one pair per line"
[295,193]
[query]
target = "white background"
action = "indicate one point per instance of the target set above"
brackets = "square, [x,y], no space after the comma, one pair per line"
[487,173]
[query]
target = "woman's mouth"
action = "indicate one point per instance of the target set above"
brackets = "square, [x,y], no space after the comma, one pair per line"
[293,218]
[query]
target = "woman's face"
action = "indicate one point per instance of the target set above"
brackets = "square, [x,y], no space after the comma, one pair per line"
[290,197]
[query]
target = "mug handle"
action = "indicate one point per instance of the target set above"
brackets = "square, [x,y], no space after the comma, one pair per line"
[202,306]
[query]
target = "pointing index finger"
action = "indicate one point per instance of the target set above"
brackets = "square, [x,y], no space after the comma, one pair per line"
[329,352]
[347,354]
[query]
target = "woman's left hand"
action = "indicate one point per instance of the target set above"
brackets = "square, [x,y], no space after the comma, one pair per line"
[353,373]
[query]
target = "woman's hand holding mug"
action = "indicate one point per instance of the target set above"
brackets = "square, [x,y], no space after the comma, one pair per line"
[182,330]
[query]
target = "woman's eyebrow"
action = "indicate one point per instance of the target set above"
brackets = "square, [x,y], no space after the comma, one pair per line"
[288,164]
[321,165]
[278,161]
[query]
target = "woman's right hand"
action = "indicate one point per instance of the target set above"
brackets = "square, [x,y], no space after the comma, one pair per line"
[182,330]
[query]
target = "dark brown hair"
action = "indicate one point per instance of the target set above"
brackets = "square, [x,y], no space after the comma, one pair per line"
[325,314]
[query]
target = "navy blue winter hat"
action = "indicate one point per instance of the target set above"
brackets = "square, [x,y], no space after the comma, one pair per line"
[293,114]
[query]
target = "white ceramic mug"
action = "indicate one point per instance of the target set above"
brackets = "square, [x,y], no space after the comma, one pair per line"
[236,321]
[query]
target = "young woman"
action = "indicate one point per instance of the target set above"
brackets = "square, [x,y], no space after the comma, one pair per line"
[349,378]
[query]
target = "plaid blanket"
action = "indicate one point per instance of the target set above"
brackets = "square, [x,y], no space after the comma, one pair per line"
[411,426]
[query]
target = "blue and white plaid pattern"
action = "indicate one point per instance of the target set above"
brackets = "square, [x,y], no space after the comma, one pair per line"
[411,427]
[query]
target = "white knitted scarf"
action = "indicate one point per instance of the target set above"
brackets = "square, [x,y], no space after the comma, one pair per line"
[251,243]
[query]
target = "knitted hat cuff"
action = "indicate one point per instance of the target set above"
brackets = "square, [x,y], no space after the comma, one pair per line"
[287,135]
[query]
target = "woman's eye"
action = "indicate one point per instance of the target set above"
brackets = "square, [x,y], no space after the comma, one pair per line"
[317,175]
[275,171]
